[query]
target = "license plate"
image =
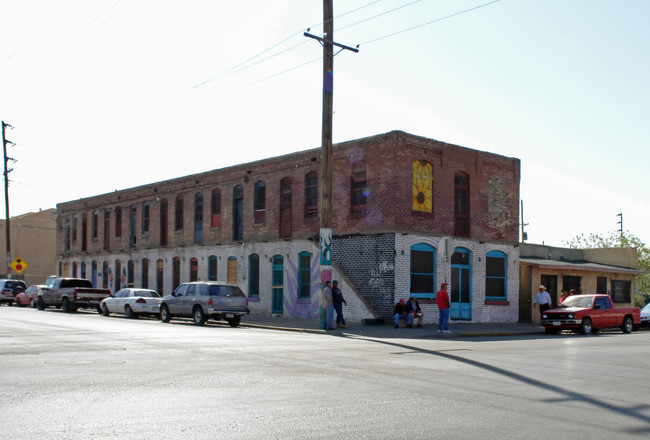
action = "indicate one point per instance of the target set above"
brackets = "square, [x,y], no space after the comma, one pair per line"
[557,323]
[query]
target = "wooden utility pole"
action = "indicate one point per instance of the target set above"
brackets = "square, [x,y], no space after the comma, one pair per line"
[327,40]
[6,174]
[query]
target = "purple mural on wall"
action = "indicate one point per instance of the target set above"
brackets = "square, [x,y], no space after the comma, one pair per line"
[302,307]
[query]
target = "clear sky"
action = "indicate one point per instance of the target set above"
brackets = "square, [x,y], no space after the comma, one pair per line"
[111,94]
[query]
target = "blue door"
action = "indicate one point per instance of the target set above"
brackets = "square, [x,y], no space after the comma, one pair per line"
[461,286]
[277,301]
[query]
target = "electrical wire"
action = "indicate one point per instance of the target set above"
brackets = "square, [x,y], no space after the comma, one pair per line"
[429,22]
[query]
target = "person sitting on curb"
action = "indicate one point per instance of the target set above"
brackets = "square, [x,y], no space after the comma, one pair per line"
[401,312]
[337,298]
[413,308]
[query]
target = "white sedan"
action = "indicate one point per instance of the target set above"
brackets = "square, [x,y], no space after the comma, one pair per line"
[132,302]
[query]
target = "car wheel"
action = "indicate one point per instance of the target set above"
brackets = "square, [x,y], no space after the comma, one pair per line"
[128,313]
[105,311]
[234,322]
[41,303]
[199,316]
[65,306]
[551,331]
[586,327]
[628,325]
[164,314]
[17,303]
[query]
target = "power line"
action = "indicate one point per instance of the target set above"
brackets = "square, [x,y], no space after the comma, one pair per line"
[244,64]
[430,22]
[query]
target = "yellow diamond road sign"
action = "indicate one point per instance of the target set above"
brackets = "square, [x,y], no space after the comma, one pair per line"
[19,265]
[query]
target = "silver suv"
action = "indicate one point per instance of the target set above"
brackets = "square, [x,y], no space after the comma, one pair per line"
[203,300]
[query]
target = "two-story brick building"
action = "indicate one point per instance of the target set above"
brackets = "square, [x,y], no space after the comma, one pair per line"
[408,213]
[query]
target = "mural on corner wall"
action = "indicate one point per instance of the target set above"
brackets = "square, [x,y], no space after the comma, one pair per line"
[302,308]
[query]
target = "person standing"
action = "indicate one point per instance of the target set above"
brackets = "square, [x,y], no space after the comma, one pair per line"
[413,307]
[338,300]
[442,298]
[329,305]
[543,299]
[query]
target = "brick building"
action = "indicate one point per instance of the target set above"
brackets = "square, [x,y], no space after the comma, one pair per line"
[408,213]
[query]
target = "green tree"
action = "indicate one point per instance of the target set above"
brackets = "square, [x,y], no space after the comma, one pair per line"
[616,239]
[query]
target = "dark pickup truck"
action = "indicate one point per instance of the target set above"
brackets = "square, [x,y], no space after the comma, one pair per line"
[70,294]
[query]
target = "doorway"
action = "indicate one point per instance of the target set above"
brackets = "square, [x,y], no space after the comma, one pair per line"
[461,287]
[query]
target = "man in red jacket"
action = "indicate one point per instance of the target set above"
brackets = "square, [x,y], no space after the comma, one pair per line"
[442,297]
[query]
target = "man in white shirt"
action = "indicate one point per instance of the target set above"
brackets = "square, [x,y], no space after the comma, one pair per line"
[543,299]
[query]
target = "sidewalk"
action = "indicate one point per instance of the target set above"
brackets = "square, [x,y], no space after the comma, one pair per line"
[459,330]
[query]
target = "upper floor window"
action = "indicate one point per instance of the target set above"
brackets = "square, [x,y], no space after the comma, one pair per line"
[178,214]
[260,202]
[198,218]
[359,190]
[496,276]
[118,221]
[95,226]
[422,186]
[215,209]
[461,205]
[311,195]
[145,217]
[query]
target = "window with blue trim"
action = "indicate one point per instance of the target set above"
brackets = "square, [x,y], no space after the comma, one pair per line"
[212,268]
[495,276]
[304,275]
[423,271]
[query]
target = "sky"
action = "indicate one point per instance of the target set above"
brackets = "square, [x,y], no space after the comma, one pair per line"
[106,95]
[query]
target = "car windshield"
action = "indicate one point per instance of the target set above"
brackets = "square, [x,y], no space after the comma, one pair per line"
[226,291]
[646,309]
[578,301]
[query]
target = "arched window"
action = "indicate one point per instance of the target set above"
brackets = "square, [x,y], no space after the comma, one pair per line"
[198,217]
[178,213]
[285,208]
[423,271]
[232,270]
[311,195]
[160,276]
[304,275]
[461,205]
[164,222]
[496,263]
[238,213]
[260,202]
[130,273]
[194,269]
[422,186]
[215,208]
[176,273]
[254,276]
[145,273]
[212,268]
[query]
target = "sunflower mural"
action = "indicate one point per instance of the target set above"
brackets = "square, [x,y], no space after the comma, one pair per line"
[422,186]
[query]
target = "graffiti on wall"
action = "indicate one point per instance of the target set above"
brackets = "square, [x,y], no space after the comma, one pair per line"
[378,280]
[302,307]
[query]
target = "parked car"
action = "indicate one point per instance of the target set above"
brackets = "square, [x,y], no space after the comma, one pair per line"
[29,296]
[132,303]
[203,300]
[590,313]
[8,290]
[645,316]
[71,294]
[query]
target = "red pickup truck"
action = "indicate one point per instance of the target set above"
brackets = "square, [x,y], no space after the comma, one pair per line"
[590,313]
[71,294]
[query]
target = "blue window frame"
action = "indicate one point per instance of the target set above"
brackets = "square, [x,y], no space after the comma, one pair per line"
[495,276]
[423,271]
[212,268]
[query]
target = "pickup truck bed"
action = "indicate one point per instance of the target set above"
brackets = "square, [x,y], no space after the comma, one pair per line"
[70,294]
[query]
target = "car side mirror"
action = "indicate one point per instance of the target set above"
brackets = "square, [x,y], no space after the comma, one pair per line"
[173,293]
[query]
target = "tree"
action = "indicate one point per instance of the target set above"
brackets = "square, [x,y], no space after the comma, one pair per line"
[616,239]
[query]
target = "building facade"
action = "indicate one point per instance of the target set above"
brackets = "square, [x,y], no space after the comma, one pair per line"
[607,271]
[33,240]
[408,213]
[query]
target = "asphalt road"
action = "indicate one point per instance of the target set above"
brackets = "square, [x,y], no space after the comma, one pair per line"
[85,376]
